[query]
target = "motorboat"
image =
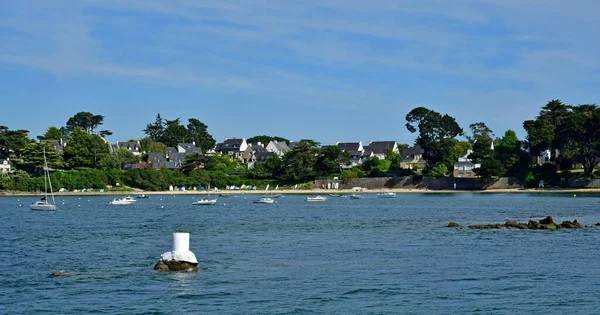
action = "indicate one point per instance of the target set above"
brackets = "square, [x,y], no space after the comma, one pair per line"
[316,199]
[387,195]
[142,196]
[355,196]
[123,201]
[337,195]
[265,200]
[205,202]
[225,195]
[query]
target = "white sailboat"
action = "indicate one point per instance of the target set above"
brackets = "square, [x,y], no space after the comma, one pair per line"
[43,204]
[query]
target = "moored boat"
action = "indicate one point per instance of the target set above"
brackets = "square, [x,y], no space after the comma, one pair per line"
[123,201]
[316,199]
[355,196]
[205,202]
[142,196]
[264,200]
[387,195]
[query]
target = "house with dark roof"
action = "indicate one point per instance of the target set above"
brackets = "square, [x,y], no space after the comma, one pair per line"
[355,149]
[157,159]
[133,146]
[412,157]
[379,147]
[233,147]
[251,150]
[4,166]
[58,145]
[188,148]
[278,147]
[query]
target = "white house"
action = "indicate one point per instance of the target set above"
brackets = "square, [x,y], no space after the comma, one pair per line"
[133,146]
[278,147]
[4,166]
[234,147]
[379,147]
[465,167]
[354,149]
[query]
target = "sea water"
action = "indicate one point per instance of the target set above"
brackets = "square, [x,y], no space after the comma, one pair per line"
[343,256]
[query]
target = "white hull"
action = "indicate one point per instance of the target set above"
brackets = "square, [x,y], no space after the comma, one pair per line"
[316,199]
[43,207]
[205,202]
[265,201]
[387,195]
[356,197]
[123,202]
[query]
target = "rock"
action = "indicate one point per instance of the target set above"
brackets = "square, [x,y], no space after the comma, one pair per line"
[61,274]
[572,225]
[534,225]
[454,224]
[486,226]
[547,220]
[174,265]
[550,226]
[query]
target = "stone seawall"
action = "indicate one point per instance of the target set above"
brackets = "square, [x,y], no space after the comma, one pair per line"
[432,183]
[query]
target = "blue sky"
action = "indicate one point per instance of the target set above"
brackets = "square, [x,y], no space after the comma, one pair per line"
[329,70]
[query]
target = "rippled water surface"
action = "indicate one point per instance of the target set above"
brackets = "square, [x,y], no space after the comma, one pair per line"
[343,256]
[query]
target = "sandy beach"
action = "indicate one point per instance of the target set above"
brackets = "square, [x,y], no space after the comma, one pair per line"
[301,192]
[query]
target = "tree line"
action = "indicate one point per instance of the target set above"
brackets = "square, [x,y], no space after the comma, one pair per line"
[570,132]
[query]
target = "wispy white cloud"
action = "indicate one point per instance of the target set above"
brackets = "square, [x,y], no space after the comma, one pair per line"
[337,53]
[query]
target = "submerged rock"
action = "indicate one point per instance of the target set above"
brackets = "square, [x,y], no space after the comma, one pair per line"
[454,224]
[544,224]
[61,274]
[174,265]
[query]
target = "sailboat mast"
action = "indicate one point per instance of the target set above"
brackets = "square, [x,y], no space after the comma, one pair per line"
[47,174]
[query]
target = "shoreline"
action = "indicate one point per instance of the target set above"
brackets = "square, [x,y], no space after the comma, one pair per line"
[301,192]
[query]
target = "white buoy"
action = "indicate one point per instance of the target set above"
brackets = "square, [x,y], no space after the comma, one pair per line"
[180,258]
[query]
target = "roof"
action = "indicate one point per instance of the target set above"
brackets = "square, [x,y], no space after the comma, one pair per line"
[130,145]
[258,148]
[57,144]
[293,144]
[281,146]
[263,156]
[412,151]
[349,146]
[189,148]
[355,153]
[230,145]
[380,146]
[367,152]
[2,161]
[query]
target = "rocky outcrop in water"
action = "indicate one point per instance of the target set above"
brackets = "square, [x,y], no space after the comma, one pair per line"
[544,224]
[174,265]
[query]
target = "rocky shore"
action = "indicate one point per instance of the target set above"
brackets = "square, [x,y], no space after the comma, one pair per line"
[544,224]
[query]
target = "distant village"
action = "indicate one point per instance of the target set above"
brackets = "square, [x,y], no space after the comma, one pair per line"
[252,153]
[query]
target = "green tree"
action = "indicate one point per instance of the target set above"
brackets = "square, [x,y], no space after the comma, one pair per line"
[87,121]
[509,152]
[331,159]
[53,133]
[34,154]
[198,133]
[266,139]
[579,136]
[437,135]
[84,149]
[462,148]
[175,133]
[117,159]
[542,131]
[156,130]
[479,130]
[149,145]
[12,142]
[299,163]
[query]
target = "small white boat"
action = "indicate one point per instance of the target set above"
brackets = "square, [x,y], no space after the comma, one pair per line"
[123,201]
[205,202]
[43,205]
[316,199]
[355,196]
[142,196]
[265,200]
[387,195]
